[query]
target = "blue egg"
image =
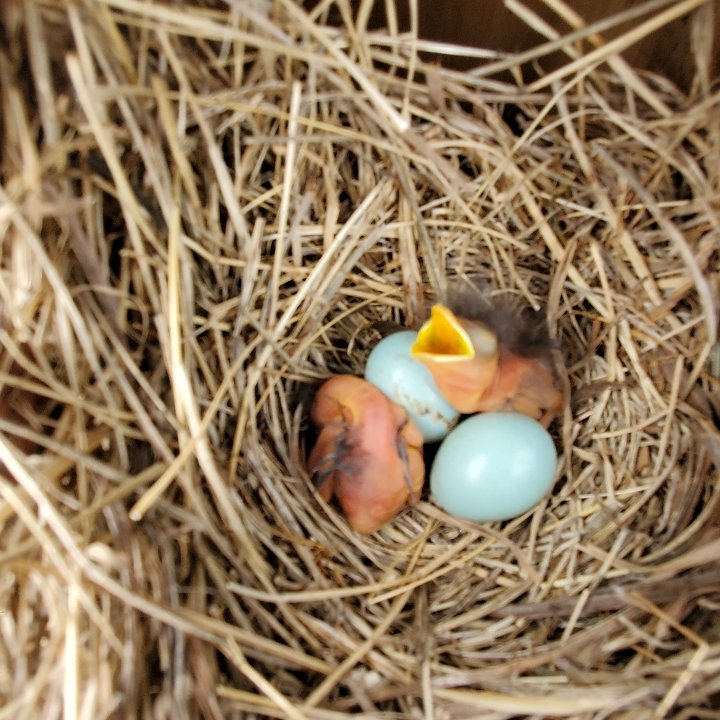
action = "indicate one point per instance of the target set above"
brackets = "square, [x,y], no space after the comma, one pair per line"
[405,380]
[493,466]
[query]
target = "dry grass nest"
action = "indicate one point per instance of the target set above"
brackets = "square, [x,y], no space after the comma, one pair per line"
[206,207]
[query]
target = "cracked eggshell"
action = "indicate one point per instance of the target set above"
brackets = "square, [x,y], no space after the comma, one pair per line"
[392,369]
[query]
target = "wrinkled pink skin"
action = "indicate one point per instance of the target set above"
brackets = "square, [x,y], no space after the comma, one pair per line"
[368,453]
[525,385]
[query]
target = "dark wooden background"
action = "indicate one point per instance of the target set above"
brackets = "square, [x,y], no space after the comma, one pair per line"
[489,24]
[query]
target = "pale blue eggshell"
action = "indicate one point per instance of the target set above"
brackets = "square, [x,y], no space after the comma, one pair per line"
[493,466]
[392,369]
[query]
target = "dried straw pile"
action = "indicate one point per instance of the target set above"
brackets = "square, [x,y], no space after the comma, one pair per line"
[204,208]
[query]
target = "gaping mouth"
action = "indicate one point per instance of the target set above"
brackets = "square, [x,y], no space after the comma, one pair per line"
[445,339]
[462,357]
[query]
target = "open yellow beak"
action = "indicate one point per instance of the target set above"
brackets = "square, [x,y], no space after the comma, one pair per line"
[462,356]
[443,337]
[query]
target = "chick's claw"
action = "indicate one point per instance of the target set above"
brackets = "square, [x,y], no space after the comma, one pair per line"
[368,453]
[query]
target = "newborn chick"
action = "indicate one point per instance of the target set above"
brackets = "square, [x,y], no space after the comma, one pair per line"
[368,453]
[493,358]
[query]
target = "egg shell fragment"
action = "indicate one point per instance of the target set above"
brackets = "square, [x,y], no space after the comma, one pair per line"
[493,466]
[406,381]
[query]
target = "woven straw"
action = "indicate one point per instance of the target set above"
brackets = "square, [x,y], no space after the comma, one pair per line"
[206,207]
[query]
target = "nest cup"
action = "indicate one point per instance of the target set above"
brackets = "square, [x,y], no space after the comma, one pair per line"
[205,208]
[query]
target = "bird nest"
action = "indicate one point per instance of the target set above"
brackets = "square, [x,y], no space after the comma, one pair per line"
[206,208]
